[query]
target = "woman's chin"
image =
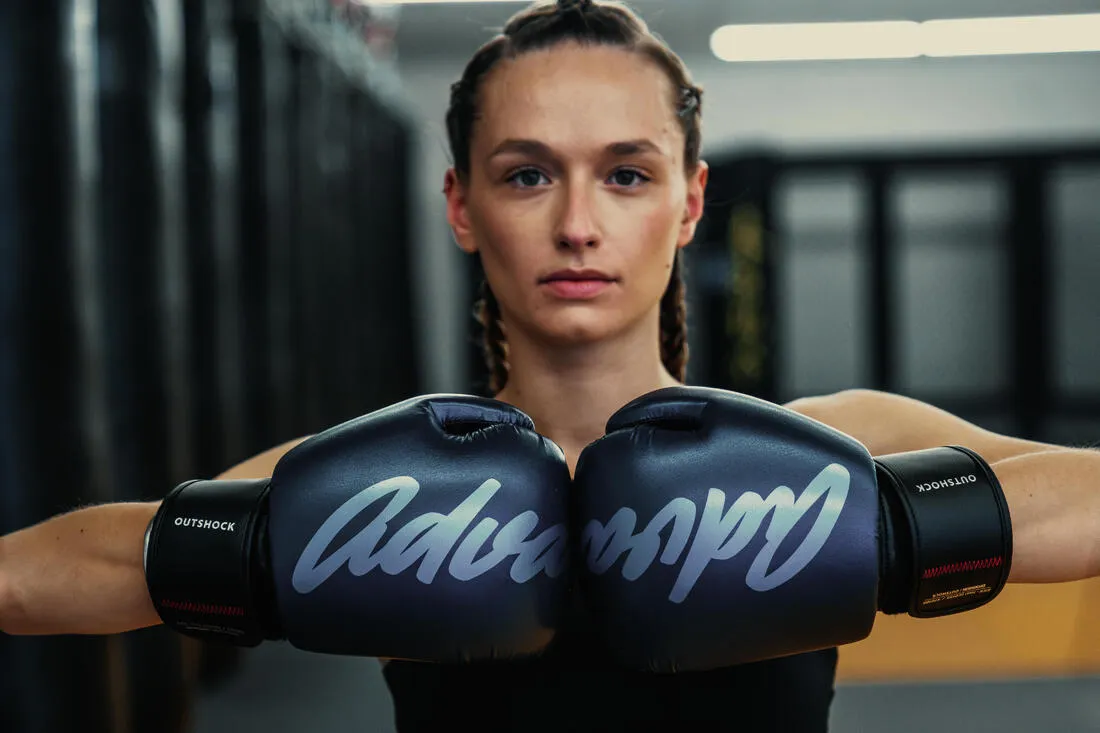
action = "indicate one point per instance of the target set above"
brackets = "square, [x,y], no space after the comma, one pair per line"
[578,328]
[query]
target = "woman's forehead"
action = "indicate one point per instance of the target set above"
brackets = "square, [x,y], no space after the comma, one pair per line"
[569,90]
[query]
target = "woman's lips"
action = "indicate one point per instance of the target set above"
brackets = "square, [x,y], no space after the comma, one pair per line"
[577,289]
[578,283]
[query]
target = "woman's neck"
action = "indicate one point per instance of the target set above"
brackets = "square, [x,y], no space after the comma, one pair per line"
[571,393]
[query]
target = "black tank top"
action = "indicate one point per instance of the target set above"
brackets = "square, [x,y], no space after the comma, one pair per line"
[576,686]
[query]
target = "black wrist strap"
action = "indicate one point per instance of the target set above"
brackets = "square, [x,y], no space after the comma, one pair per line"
[946,531]
[206,562]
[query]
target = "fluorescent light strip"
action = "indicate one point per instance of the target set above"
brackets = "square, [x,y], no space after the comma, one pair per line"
[908,39]
[438,2]
[795,41]
[1019,35]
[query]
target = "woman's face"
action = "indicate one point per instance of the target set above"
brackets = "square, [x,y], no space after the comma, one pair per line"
[577,197]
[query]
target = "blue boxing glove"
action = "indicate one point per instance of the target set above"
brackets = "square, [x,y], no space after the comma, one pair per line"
[433,529]
[717,529]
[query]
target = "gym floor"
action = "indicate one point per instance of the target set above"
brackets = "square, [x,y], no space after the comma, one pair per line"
[279,689]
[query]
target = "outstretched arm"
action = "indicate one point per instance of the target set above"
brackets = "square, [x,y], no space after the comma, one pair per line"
[1054,501]
[83,572]
[1053,491]
[77,573]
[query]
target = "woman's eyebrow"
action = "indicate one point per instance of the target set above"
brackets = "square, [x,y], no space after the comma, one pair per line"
[536,148]
[634,147]
[526,147]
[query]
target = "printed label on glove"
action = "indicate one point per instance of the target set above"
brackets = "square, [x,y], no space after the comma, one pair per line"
[722,534]
[946,483]
[205,524]
[429,538]
[954,595]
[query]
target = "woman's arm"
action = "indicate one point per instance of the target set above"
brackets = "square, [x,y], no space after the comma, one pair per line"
[1053,492]
[82,572]
[77,573]
[889,423]
[1054,501]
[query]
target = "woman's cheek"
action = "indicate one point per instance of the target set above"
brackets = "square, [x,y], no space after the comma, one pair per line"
[659,226]
[504,239]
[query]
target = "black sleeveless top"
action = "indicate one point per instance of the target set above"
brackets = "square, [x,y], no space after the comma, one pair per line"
[576,686]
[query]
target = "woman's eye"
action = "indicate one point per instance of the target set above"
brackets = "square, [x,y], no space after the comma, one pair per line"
[527,178]
[532,177]
[627,178]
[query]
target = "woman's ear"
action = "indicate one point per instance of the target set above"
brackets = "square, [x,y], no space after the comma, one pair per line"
[458,214]
[696,202]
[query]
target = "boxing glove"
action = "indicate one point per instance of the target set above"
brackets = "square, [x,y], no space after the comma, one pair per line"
[716,529]
[433,529]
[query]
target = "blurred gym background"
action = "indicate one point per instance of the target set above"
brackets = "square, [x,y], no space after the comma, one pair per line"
[221,228]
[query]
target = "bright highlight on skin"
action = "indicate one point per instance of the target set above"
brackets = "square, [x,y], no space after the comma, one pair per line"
[908,39]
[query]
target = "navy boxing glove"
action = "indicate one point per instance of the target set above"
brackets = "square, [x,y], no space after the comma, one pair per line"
[717,529]
[433,529]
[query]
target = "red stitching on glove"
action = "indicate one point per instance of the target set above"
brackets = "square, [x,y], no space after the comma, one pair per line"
[207,608]
[963,567]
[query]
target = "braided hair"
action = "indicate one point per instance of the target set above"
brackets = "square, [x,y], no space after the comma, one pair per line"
[592,22]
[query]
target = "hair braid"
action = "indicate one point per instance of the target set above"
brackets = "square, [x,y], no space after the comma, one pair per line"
[674,344]
[493,344]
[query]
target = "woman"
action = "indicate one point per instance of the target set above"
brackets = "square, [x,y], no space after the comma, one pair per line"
[577,181]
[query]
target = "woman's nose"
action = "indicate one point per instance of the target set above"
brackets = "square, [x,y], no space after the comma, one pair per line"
[579,228]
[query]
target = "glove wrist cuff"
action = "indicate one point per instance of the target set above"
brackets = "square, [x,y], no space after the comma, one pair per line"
[206,562]
[946,533]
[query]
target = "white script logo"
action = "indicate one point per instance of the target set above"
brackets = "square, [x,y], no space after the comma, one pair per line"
[722,534]
[429,538]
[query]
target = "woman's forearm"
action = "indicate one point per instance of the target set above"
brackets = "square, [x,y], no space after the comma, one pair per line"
[1054,501]
[889,423]
[1053,492]
[82,572]
[77,573]
[8,608]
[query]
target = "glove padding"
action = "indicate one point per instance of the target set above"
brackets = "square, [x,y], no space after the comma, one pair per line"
[433,529]
[718,529]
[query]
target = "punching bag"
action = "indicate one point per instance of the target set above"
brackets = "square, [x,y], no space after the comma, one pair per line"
[130,269]
[63,682]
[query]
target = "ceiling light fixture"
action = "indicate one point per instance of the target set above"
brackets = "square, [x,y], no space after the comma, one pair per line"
[908,39]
